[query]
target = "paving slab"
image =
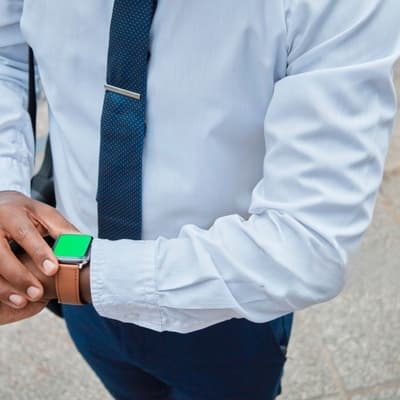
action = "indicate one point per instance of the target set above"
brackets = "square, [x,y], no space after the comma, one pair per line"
[39,362]
[334,397]
[307,371]
[360,328]
[390,189]
[393,159]
[379,394]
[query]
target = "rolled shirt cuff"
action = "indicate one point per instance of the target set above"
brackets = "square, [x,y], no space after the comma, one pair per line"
[122,279]
[16,176]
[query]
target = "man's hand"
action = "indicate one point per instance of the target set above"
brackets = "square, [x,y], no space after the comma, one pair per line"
[9,314]
[26,221]
[48,282]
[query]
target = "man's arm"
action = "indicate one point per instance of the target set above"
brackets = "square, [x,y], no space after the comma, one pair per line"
[21,218]
[16,137]
[327,132]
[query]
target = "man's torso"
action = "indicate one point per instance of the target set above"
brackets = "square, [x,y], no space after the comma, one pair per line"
[211,75]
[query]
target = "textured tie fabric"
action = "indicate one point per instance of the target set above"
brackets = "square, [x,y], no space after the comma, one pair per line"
[123,125]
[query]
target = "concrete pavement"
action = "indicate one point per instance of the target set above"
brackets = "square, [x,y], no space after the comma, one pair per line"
[347,349]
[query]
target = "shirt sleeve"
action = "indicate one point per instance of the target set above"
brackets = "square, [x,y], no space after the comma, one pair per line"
[16,137]
[327,131]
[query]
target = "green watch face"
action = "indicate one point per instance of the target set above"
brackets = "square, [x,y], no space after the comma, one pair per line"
[72,247]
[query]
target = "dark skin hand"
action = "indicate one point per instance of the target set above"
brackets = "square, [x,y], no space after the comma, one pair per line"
[27,283]
[49,282]
[11,314]
[26,221]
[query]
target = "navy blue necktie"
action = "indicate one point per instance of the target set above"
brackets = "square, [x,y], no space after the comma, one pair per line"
[123,122]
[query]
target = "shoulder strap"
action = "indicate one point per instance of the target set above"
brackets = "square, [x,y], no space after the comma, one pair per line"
[32,106]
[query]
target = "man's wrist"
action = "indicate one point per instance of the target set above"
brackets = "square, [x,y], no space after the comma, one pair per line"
[84,284]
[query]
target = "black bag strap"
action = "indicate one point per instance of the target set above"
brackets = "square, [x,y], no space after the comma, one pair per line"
[32,103]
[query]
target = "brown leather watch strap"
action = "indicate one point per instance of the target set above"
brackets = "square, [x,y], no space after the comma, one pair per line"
[67,284]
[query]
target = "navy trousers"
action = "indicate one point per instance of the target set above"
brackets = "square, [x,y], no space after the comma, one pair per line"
[233,360]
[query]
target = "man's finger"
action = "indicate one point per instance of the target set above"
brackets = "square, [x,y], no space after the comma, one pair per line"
[13,300]
[9,296]
[26,234]
[51,219]
[14,276]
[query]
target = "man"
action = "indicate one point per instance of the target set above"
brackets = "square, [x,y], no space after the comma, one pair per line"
[266,128]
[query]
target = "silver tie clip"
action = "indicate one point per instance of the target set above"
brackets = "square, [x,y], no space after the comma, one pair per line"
[123,92]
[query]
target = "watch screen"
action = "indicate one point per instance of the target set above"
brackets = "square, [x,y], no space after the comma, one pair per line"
[72,245]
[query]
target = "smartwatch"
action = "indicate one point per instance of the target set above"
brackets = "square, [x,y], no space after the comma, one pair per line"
[72,251]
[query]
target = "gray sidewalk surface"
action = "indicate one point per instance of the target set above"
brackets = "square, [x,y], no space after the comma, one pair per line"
[347,349]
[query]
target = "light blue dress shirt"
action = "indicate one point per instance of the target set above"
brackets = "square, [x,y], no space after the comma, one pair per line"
[268,126]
